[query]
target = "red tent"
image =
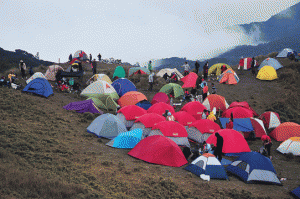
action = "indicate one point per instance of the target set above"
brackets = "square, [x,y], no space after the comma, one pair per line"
[150,119]
[160,97]
[139,72]
[258,127]
[184,118]
[205,126]
[242,104]
[160,108]
[189,80]
[171,129]
[158,149]
[194,108]
[270,119]
[74,60]
[285,131]
[238,112]
[132,112]
[234,142]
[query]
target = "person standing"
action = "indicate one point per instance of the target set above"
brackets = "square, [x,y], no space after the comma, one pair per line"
[151,81]
[253,69]
[150,67]
[94,64]
[205,70]
[80,66]
[212,117]
[267,144]
[197,66]
[99,57]
[218,150]
[204,92]
[241,65]
[186,68]
[70,57]
[22,66]
[91,58]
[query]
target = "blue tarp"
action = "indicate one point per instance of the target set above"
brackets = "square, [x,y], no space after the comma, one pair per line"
[239,124]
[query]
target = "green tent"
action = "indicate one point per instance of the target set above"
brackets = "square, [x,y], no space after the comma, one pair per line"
[217,68]
[104,102]
[135,69]
[119,72]
[176,88]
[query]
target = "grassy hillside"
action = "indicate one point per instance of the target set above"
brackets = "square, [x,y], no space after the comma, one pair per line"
[45,151]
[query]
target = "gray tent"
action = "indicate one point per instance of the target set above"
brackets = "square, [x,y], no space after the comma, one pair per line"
[183,141]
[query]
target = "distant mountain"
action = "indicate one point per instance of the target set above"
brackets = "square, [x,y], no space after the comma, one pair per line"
[9,59]
[174,62]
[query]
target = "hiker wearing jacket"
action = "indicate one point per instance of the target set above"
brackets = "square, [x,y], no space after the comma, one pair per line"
[218,150]
[197,66]
[22,66]
[186,68]
[241,63]
[91,58]
[205,70]
[99,57]
[70,57]
[229,125]
[253,69]
[94,64]
[151,81]
[150,67]
[267,144]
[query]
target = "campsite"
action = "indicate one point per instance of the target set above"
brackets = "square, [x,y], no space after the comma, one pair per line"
[48,151]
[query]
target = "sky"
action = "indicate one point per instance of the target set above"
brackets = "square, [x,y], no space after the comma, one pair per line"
[132,30]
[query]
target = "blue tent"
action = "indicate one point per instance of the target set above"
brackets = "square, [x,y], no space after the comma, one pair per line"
[144,104]
[39,86]
[107,126]
[285,52]
[239,124]
[254,167]
[123,86]
[127,140]
[296,192]
[270,62]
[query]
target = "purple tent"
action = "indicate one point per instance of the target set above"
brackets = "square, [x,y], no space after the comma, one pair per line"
[83,106]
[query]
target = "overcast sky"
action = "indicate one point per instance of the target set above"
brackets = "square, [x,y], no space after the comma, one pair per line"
[132,30]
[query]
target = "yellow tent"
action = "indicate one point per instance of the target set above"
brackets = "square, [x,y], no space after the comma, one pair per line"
[267,73]
[217,68]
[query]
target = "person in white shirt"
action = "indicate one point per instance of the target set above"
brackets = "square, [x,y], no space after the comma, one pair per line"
[151,81]
[186,68]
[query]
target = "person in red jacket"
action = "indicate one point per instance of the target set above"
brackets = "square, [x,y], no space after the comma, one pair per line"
[229,125]
[241,65]
[267,142]
[204,91]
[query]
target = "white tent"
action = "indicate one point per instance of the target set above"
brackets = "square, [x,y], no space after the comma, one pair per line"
[169,71]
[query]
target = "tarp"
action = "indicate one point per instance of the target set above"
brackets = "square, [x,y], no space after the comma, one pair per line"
[195,109]
[131,98]
[296,192]
[83,106]
[267,73]
[35,75]
[99,88]
[126,140]
[119,72]
[142,70]
[160,97]
[217,68]
[270,62]
[39,86]
[160,108]
[189,80]
[123,86]
[172,87]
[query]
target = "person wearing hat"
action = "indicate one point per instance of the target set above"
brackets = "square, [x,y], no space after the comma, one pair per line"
[22,66]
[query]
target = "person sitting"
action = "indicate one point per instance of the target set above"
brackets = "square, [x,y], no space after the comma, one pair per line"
[212,117]
[207,148]
[170,117]
[12,76]
[187,95]
[166,76]
[174,77]
[76,87]
[267,143]
[63,87]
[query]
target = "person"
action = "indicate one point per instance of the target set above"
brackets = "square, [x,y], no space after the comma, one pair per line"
[80,66]
[70,57]
[76,87]
[218,149]
[186,68]
[186,152]
[71,83]
[253,69]
[58,76]
[229,125]
[172,96]
[170,117]
[99,57]
[150,67]
[187,95]
[166,113]
[174,77]
[207,148]
[204,114]
[204,92]
[205,70]
[267,143]
[12,76]
[213,88]
[211,116]
[151,81]
[241,65]
[223,69]
[2,81]
[194,91]
[166,76]
[22,66]
[31,71]
[197,66]
[91,58]
[94,65]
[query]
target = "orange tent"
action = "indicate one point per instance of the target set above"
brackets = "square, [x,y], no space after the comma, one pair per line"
[217,101]
[229,77]
[285,131]
[131,98]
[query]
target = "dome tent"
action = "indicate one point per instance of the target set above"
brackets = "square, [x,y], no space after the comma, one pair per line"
[128,114]
[172,87]
[103,77]
[217,68]
[194,108]
[105,102]
[200,130]
[169,71]
[184,118]
[51,72]
[126,140]
[138,70]
[160,97]
[160,108]
[39,86]
[267,73]
[83,106]
[123,85]
[215,100]
[98,88]
[285,131]
[119,72]
[131,98]
[291,145]
[229,77]
[270,119]
[285,52]
[79,54]
[35,75]
[270,62]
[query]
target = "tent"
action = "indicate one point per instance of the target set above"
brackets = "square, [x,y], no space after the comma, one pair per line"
[107,126]
[160,97]
[172,87]
[144,104]
[74,68]
[215,100]
[35,75]
[123,86]
[254,167]
[285,52]
[172,130]
[119,72]
[285,131]
[291,145]
[270,119]
[200,130]
[228,77]
[234,142]
[238,112]
[194,108]
[126,140]
[160,150]
[131,98]
[103,77]
[74,60]
[258,127]
[169,71]
[83,106]
[104,102]
[207,164]
[184,118]
[146,122]
[39,86]
[51,72]
[79,54]
[267,73]
[189,80]
[160,108]
[98,88]
[216,68]
[246,63]
[296,192]
[270,62]
[243,104]
[128,114]
[138,70]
